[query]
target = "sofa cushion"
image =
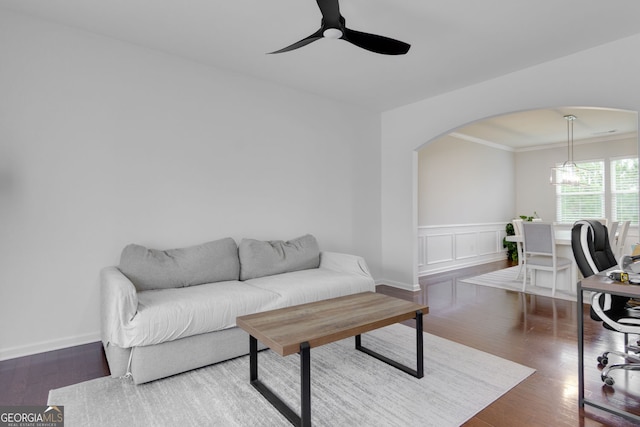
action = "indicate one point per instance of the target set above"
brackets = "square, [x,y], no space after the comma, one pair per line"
[210,262]
[170,314]
[300,287]
[265,258]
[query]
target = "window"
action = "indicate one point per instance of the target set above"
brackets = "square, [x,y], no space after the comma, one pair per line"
[624,189]
[586,200]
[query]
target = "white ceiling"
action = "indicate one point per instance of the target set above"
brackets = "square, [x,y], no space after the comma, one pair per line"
[455,43]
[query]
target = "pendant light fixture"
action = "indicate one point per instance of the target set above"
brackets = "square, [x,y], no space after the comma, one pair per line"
[569,173]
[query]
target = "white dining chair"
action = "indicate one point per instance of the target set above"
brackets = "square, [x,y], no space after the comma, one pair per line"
[517,228]
[623,229]
[613,238]
[539,253]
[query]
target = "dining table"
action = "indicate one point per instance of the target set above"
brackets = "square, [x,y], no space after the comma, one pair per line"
[562,237]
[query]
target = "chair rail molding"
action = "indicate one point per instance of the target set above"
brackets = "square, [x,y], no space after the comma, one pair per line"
[448,247]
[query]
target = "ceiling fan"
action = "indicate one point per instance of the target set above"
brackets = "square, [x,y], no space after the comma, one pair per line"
[333,26]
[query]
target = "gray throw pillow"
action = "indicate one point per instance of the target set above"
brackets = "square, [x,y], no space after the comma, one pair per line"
[210,262]
[265,258]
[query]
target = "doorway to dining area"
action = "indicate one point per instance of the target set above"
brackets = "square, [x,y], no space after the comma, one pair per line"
[475,179]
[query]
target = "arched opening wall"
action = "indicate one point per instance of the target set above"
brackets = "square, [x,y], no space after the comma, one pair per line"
[604,77]
[498,168]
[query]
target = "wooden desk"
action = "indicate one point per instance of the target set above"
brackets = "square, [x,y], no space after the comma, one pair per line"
[602,284]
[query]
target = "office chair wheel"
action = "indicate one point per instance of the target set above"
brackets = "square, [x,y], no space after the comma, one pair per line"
[603,360]
[608,380]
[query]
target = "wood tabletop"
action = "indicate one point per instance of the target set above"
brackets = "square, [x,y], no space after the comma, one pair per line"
[601,283]
[326,321]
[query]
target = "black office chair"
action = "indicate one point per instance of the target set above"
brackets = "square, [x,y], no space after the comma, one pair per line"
[593,254]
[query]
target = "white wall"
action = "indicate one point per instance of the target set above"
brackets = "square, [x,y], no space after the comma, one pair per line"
[455,175]
[462,182]
[605,76]
[104,143]
[466,196]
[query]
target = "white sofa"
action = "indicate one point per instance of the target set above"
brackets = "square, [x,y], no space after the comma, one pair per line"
[167,312]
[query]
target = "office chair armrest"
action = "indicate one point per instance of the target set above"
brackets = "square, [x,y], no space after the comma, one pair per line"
[632,326]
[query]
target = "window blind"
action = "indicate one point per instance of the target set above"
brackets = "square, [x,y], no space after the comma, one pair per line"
[586,200]
[624,189]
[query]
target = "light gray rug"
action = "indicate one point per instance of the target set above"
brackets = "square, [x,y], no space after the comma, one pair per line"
[349,388]
[506,279]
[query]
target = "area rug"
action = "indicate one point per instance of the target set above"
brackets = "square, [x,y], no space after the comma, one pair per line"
[506,279]
[348,388]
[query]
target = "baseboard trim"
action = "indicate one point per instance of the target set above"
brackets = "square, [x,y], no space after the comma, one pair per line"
[400,285]
[51,345]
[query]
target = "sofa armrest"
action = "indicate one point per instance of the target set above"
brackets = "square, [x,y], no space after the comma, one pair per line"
[344,263]
[118,303]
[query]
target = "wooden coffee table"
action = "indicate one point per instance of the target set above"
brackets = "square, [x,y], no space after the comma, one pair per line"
[300,328]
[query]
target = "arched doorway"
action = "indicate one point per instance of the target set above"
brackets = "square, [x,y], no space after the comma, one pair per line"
[474,179]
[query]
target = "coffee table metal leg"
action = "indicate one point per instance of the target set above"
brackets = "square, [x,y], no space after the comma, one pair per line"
[304,420]
[305,384]
[253,359]
[419,371]
[419,345]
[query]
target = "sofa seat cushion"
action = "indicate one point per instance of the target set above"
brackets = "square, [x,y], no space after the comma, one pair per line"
[300,287]
[169,314]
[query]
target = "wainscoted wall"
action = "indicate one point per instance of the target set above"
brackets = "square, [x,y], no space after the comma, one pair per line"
[602,76]
[447,247]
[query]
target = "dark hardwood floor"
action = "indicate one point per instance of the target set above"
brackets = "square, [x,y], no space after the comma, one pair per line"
[538,332]
[27,380]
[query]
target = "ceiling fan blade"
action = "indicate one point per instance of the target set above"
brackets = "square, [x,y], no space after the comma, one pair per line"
[375,43]
[305,41]
[330,12]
